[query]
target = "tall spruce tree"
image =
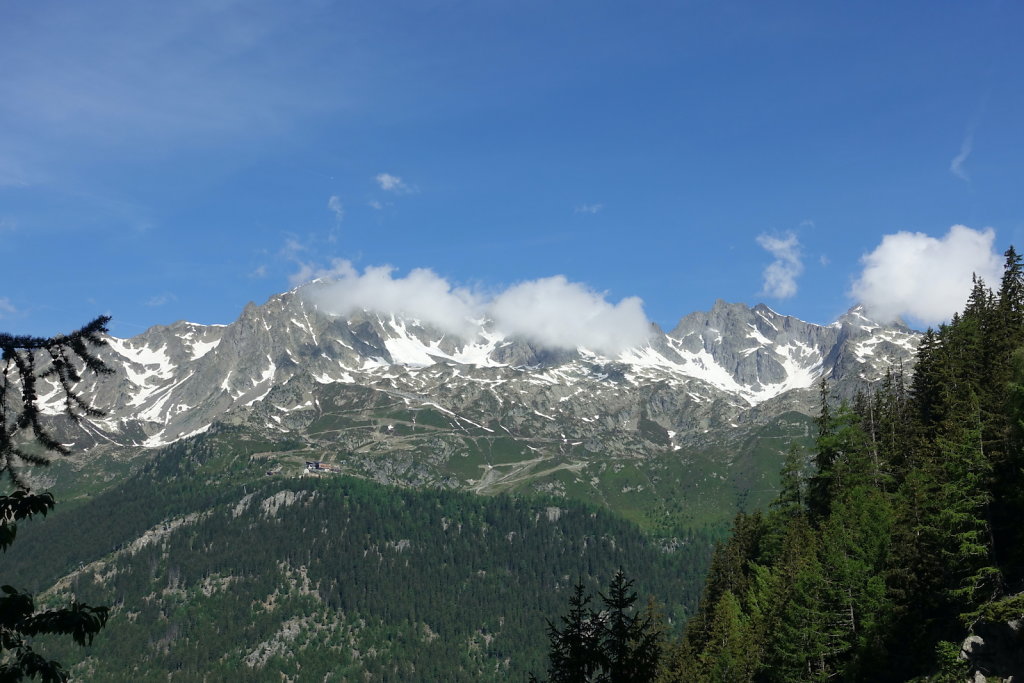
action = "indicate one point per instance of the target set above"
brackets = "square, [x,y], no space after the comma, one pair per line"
[618,644]
[1008,462]
[574,646]
[630,646]
[732,655]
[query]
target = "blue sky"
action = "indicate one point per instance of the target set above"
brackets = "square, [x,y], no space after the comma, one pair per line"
[166,161]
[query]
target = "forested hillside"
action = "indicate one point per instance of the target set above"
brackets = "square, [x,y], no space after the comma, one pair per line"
[898,536]
[213,568]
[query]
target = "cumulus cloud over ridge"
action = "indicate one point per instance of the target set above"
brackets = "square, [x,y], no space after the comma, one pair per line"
[555,312]
[926,278]
[422,294]
[551,312]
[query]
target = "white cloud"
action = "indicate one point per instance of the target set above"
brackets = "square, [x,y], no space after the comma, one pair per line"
[956,167]
[392,183]
[561,314]
[421,294]
[6,307]
[925,278]
[781,274]
[589,208]
[259,271]
[551,312]
[308,272]
[335,205]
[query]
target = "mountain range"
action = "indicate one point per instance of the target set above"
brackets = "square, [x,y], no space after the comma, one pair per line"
[398,401]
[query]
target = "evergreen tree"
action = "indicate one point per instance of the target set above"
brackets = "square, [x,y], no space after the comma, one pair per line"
[792,489]
[927,381]
[963,519]
[854,552]
[729,571]
[1008,461]
[630,644]
[842,460]
[731,655]
[891,425]
[27,360]
[574,648]
[1008,494]
[619,644]
[800,647]
[1011,292]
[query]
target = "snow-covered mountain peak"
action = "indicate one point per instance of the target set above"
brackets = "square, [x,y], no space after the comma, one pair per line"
[176,380]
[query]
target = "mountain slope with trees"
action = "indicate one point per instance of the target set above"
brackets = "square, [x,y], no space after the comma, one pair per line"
[899,538]
[212,567]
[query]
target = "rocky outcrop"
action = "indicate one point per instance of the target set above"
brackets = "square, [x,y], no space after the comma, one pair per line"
[995,652]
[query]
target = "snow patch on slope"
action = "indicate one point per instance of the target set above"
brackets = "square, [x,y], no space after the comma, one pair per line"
[200,349]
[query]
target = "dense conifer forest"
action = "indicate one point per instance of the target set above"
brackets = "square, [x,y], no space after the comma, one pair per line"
[897,536]
[330,577]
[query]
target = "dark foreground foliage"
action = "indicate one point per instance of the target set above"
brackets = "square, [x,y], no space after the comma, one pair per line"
[25,440]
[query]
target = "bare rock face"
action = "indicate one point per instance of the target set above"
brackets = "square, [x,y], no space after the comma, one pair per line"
[729,366]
